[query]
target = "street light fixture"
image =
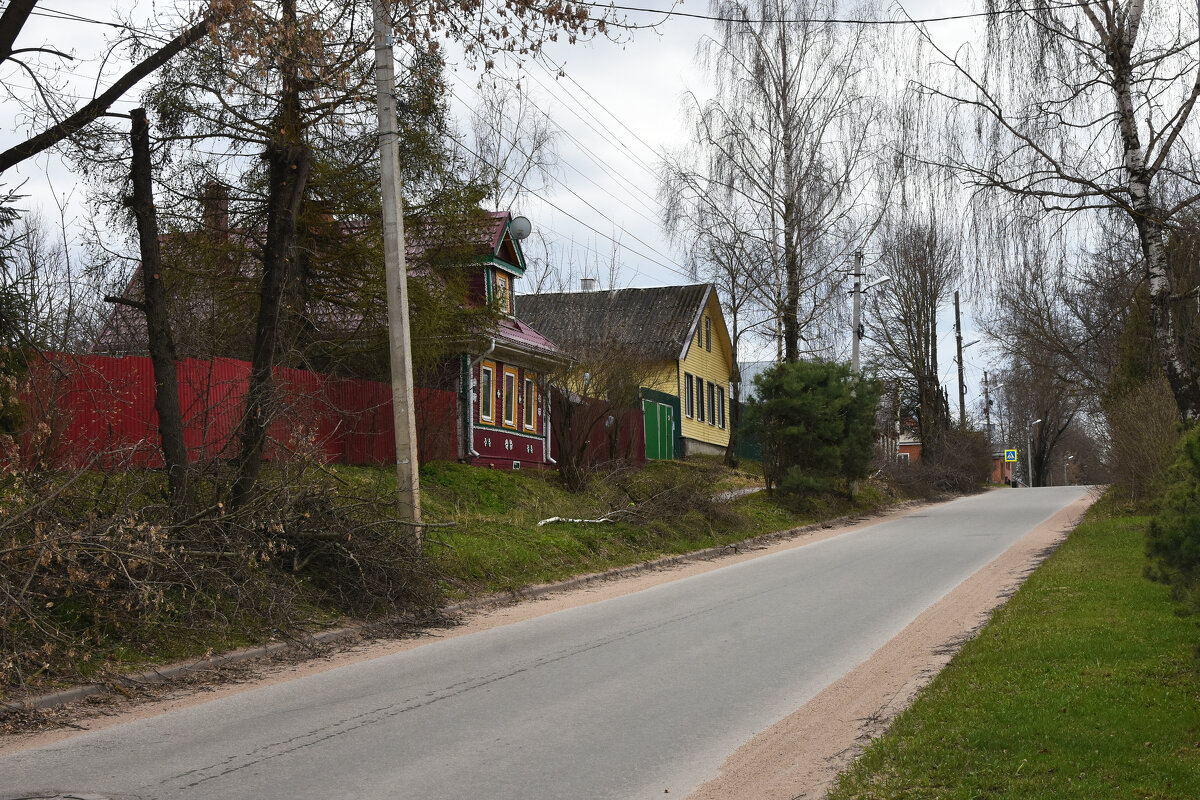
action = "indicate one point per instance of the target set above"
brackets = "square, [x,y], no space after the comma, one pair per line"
[1029,451]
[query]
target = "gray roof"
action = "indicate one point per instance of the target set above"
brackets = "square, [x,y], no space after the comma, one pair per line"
[654,322]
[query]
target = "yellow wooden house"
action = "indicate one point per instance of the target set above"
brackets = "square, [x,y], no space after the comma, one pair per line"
[677,333]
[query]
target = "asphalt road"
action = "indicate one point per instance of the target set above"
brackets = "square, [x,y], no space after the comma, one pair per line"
[624,698]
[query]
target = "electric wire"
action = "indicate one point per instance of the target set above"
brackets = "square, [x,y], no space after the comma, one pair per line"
[668,13]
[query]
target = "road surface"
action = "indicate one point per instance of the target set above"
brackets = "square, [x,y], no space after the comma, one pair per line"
[636,696]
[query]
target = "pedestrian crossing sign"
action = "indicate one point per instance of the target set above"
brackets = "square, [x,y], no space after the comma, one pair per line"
[1010,455]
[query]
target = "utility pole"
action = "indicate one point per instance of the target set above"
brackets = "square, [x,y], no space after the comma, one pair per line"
[407,479]
[962,391]
[987,409]
[857,292]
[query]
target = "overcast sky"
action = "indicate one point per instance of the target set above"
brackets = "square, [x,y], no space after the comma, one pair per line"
[618,108]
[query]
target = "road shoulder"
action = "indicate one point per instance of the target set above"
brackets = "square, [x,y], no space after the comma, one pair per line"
[800,756]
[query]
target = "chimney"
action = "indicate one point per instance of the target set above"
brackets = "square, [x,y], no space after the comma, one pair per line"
[215,200]
[587,284]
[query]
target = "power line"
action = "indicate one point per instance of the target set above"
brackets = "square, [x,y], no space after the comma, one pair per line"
[837,20]
[605,167]
[607,136]
[673,268]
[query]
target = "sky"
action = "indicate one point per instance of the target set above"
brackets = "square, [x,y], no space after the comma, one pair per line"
[615,112]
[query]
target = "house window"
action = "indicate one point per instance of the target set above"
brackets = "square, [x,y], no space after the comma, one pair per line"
[530,403]
[503,292]
[902,458]
[487,392]
[721,406]
[700,398]
[699,337]
[688,400]
[712,404]
[510,397]
[708,334]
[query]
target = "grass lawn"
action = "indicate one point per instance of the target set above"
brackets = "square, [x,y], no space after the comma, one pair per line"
[1084,685]
[496,544]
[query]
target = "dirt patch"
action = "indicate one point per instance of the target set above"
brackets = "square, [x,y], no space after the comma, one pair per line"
[800,756]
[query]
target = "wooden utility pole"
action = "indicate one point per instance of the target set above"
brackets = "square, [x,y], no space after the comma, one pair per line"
[987,409]
[407,479]
[857,292]
[962,390]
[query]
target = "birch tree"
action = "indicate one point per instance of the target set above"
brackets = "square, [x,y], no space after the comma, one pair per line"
[787,135]
[1083,107]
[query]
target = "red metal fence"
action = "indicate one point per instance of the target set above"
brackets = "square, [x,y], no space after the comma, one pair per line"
[99,411]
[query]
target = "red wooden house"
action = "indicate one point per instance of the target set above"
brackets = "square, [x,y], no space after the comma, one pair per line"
[505,419]
[490,405]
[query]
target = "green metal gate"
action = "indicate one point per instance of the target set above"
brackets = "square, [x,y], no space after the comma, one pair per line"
[660,430]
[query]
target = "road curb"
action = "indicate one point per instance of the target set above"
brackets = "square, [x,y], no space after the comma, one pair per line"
[169,672]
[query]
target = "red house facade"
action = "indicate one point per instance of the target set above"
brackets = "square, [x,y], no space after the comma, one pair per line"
[504,416]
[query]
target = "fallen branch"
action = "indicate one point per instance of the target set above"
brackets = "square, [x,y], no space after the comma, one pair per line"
[564,519]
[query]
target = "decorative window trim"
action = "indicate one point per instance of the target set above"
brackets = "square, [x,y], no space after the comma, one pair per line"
[689,401]
[490,417]
[712,403]
[529,407]
[503,291]
[699,399]
[504,397]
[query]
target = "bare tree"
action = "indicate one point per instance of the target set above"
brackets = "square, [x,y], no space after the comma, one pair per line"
[922,261]
[1087,106]
[787,137]
[514,153]
[711,230]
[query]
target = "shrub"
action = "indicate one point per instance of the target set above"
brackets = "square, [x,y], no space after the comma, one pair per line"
[1173,540]
[816,422]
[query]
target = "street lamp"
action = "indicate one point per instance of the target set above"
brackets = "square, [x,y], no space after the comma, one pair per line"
[1029,451]
[1066,461]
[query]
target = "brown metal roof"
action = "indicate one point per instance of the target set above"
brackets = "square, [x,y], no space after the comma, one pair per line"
[656,322]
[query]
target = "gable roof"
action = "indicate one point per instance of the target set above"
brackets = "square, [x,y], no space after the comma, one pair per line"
[657,322]
[485,238]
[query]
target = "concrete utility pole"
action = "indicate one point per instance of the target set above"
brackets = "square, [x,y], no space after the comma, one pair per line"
[407,480]
[962,390]
[857,292]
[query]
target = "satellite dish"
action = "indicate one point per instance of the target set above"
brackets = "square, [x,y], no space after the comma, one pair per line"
[520,228]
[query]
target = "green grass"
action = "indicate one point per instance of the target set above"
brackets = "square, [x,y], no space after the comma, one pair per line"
[1084,685]
[496,544]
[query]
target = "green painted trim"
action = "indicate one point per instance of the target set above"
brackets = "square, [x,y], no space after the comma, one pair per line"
[516,246]
[500,263]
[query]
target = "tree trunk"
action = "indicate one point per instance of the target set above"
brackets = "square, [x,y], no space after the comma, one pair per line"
[289,161]
[288,174]
[735,418]
[791,298]
[158,324]
[1170,344]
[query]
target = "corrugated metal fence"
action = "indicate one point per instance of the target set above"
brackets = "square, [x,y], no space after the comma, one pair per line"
[87,410]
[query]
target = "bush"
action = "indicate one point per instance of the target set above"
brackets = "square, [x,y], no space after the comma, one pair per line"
[1143,428]
[1173,540]
[961,461]
[816,422]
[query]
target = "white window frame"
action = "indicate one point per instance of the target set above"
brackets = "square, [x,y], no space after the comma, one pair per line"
[509,422]
[529,407]
[490,368]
